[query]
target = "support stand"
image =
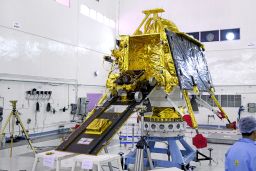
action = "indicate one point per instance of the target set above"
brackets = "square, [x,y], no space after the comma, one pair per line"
[141,146]
[122,160]
[177,157]
[109,163]
[139,160]
[11,120]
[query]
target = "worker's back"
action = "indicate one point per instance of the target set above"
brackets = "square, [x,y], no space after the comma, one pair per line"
[241,156]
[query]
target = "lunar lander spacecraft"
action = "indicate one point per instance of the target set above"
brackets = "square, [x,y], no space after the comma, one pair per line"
[157,71]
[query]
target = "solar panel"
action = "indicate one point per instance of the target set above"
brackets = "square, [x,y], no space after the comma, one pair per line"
[190,62]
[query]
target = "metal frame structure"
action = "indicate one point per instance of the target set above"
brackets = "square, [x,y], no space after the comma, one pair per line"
[176,157]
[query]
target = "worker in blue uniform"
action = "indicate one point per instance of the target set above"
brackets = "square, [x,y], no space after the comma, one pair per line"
[242,155]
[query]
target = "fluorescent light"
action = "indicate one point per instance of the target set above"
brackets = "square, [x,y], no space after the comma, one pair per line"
[85,10]
[112,23]
[100,17]
[93,14]
[106,21]
[230,36]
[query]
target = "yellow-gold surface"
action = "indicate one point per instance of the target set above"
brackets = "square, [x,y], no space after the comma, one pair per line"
[98,126]
[148,49]
[162,114]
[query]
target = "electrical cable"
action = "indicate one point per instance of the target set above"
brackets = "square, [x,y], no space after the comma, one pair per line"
[35,125]
[48,107]
[37,107]
[36,112]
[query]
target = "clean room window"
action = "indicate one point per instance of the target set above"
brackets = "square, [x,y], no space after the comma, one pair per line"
[238,101]
[231,100]
[230,34]
[195,35]
[225,100]
[209,36]
[216,35]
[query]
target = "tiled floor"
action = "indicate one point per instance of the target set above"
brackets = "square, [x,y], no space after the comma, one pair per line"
[23,157]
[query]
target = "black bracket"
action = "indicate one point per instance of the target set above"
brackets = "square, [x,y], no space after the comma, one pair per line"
[203,156]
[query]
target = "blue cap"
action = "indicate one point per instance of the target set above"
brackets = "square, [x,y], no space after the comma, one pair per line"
[247,124]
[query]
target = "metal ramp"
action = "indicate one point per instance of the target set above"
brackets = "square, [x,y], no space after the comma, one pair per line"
[85,142]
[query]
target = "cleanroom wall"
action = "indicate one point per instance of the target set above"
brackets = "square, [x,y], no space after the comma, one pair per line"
[48,46]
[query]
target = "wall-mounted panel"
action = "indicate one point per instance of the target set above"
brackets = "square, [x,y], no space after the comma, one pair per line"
[51,20]
[92,70]
[94,35]
[25,54]
[46,39]
[46,18]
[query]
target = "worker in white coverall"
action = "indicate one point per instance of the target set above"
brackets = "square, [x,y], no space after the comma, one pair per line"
[242,155]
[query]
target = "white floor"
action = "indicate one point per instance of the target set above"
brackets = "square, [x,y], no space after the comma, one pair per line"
[23,158]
